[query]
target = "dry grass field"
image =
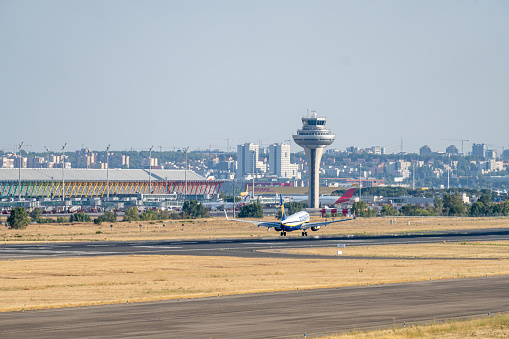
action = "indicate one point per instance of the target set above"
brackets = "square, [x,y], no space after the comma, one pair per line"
[489,327]
[488,250]
[58,282]
[220,228]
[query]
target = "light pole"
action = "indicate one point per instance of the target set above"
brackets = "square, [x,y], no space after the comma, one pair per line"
[360,183]
[47,150]
[63,166]
[150,170]
[107,172]
[254,160]
[19,169]
[413,176]
[185,173]
[234,196]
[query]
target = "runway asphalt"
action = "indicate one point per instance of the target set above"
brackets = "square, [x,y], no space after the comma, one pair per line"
[270,315]
[240,247]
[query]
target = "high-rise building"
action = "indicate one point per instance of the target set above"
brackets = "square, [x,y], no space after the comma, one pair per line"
[424,150]
[313,137]
[491,154]
[149,162]
[85,158]
[114,160]
[246,155]
[479,150]
[505,154]
[279,161]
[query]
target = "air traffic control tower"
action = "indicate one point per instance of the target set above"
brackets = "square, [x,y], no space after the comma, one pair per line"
[313,137]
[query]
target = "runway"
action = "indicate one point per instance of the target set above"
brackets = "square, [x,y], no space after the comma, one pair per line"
[240,247]
[270,315]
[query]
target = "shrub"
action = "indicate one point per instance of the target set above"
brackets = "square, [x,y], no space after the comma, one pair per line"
[192,209]
[18,218]
[80,217]
[253,210]
[61,220]
[36,214]
[132,214]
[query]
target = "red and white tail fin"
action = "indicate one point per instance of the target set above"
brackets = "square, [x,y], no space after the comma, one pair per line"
[347,195]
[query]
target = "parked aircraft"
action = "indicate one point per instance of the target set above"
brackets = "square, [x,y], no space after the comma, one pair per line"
[297,221]
[328,200]
[226,205]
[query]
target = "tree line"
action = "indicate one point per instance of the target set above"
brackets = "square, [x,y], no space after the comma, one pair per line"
[19,217]
[447,205]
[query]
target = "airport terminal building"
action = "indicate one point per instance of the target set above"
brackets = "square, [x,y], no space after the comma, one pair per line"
[31,183]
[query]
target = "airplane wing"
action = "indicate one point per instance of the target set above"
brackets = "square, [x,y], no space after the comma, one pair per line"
[322,223]
[257,223]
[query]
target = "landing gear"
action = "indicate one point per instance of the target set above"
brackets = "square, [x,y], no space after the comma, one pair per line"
[304,234]
[283,234]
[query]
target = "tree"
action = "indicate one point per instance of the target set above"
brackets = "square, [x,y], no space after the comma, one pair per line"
[439,206]
[80,217]
[18,218]
[61,220]
[107,217]
[453,205]
[193,209]
[416,210]
[253,210]
[477,209]
[36,214]
[485,199]
[132,214]
[149,215]
[389,210]
[359,206]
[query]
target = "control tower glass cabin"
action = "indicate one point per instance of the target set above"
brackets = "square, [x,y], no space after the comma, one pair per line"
[313,137]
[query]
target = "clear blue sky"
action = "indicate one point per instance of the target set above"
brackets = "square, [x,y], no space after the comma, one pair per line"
[193,73]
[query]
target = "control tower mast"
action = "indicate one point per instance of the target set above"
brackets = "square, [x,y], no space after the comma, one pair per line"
[313,137]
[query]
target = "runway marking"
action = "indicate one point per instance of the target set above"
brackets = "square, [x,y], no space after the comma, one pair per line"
[264,243]
[157,247]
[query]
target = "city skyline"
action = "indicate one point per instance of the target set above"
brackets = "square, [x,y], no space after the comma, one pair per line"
[161,73]
[374,149]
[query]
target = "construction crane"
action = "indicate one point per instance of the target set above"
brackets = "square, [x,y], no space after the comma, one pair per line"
[462,140]
[227,143]
[161,148]
[210,147]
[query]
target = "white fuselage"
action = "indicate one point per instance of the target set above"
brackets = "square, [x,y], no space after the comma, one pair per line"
[296,220]
[324,199]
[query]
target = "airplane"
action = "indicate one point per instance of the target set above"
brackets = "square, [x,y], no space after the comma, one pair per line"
[226,205]
[328,200]
[297,221]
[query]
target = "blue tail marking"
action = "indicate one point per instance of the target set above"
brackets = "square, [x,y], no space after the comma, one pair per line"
[283,215]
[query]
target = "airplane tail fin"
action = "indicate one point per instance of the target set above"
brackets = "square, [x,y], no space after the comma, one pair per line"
[347,195]
[246,193]
[283,215]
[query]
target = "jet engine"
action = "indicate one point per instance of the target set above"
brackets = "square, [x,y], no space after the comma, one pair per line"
[315,228]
